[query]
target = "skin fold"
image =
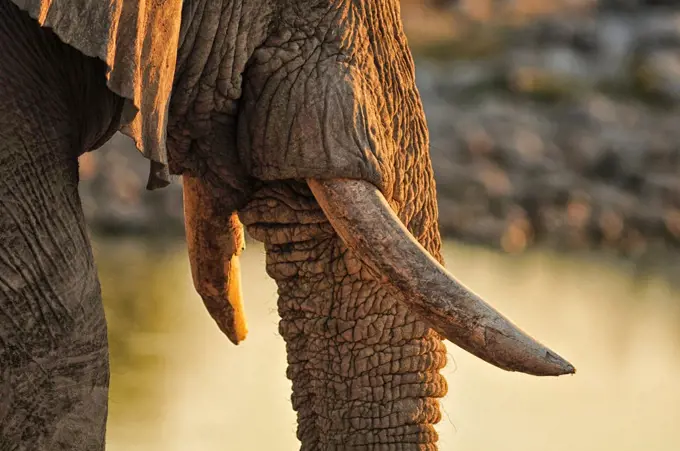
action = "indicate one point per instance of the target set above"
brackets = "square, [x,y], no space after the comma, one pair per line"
[266,96]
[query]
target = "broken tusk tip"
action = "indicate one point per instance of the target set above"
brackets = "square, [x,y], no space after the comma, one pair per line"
[234,334]
[234,339]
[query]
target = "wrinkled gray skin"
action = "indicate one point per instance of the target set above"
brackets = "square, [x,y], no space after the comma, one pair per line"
[267,93]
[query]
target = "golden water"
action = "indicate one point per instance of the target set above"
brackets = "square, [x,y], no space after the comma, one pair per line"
[178,384]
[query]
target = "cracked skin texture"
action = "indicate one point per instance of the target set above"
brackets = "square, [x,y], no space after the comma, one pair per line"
[329,92]
[365,371]
[267,93]
[54,371]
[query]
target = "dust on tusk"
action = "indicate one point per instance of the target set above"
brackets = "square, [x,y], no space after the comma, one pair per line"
[215,240]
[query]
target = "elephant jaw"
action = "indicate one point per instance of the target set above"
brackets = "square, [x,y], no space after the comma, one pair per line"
[215,240]
[364,220]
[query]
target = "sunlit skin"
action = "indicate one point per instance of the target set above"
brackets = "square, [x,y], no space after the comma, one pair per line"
[299,121]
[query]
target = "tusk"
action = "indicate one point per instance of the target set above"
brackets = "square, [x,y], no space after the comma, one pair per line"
[362,217]
[215,240]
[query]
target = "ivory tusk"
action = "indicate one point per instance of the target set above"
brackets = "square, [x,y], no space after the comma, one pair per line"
[215,240]
[361,216]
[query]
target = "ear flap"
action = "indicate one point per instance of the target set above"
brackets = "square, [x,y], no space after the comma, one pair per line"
[138,41]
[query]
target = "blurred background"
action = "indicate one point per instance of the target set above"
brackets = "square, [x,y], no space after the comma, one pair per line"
[555,130]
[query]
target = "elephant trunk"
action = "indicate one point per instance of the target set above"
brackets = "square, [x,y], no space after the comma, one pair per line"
[364,370]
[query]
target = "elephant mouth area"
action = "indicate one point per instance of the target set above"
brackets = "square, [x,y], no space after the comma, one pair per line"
[285,212]
[306,224]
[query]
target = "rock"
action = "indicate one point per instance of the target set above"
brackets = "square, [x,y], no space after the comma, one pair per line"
[659,73]
[635,5]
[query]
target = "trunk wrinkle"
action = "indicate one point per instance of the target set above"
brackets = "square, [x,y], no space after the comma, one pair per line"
[365,371]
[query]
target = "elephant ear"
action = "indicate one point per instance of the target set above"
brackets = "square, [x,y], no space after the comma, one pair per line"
[138,40]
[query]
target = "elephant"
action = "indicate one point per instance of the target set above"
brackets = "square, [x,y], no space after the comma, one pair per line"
[298,121]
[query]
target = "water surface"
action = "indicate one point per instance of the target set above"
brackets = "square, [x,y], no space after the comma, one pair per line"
[178,384]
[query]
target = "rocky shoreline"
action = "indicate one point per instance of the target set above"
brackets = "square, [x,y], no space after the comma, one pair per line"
[563,133]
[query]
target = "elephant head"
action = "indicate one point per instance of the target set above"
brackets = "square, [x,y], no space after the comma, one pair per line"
[301,120]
